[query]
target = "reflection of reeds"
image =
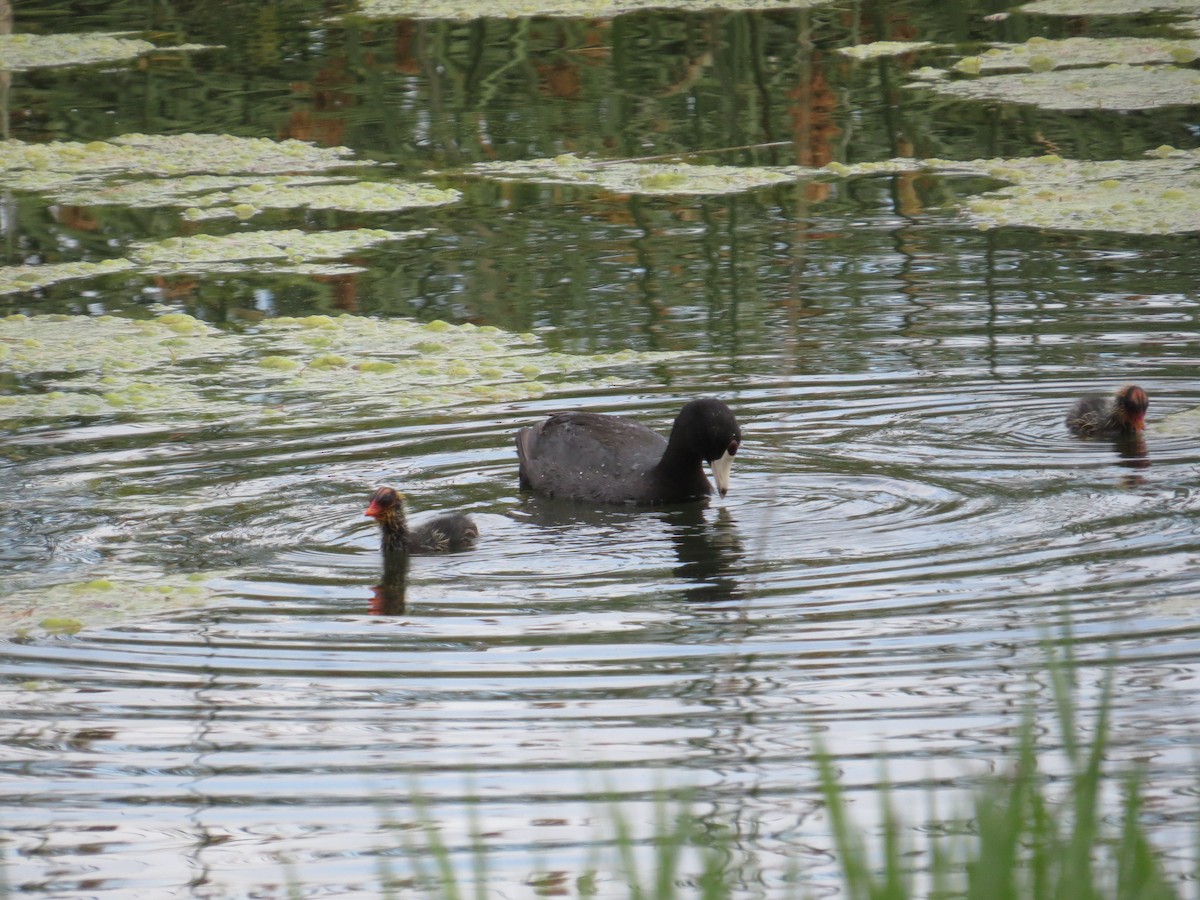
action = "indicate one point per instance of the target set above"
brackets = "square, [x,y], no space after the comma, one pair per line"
[1030,837]
[1022,843]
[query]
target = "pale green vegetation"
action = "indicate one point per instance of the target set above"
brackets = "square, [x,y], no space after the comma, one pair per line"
[177,365]
[266,250]
[245,196]
[1042,55]
[883,48]
[59,164]
[1108,7]
[626,177]
[1158,195]
[20,52]
[14,279]
[1031,835]
[209,174]
[1114,87]
[288,251]
[67,608]
[592,9]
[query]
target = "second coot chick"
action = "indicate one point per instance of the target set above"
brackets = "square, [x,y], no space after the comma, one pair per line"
[445,533]
[607,459]
[1121,415]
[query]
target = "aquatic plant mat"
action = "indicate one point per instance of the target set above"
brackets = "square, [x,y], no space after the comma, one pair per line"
[22,52]
[179,366]
[591,9]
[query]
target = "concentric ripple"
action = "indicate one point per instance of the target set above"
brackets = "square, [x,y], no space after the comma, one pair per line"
[886,550]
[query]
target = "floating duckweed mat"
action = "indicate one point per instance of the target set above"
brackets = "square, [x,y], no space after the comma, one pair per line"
[230,252]
[1158,195]
[211,175]
[244,196]
[590,9]
[21,52]
[1111,88]
[14,279]
[60,164]
[883,48]
[643,178]
[1108,7]
[1042,55]
[178,366]
[274,252]
[68,608]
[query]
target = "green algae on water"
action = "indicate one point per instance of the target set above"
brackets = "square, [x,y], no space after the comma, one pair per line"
[643,178]
[1040,54]
[178,368]
[591,9]
[60,164]
[64,609]
[1107,7]
[290,247]
[1114,87]
[22,52]
[1157,195]
[14,279]
[879,49]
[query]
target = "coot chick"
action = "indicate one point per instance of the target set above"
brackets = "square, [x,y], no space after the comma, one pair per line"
[445,533]
[607,459]
[1121,415]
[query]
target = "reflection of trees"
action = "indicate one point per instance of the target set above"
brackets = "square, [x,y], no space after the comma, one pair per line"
[444,94]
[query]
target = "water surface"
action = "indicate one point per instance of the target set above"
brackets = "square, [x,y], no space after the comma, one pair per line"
[909,519]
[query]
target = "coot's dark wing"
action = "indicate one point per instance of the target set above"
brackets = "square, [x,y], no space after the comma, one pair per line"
[585,456]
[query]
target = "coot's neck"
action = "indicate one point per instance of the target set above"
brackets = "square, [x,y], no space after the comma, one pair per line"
[682,469]
[393,529]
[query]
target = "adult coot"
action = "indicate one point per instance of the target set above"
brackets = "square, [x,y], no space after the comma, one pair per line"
[449,532]
[607,459]
[1120,415]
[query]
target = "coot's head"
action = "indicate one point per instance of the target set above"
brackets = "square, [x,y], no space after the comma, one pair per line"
[385,503]
[711,431]
[1132,404]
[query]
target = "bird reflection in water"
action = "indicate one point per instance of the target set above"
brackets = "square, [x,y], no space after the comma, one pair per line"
[710,554]
[1133,455]
[389,595]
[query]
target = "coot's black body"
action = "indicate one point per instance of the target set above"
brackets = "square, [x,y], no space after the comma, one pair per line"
[1117,415]
[607,459]
[441,534]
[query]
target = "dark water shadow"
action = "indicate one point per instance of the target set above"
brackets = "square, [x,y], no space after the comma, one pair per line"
[389,596]
[1132,452]
[706,541]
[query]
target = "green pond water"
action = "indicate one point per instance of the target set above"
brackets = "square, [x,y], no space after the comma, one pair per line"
[261,258]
